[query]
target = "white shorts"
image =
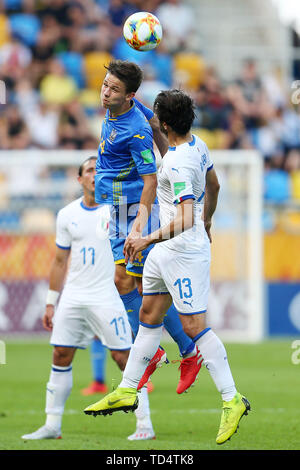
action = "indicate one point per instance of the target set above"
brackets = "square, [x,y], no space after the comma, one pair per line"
[76,325]
[185,276]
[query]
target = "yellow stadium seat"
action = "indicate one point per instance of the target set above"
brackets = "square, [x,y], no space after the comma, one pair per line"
[295,185]
[4,30]
[94,68]
[189,69]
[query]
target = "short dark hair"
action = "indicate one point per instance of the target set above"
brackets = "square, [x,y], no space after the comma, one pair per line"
[80,169]
[128,72]
[176,109]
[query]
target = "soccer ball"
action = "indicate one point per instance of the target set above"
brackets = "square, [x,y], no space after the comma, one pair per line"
[142,31]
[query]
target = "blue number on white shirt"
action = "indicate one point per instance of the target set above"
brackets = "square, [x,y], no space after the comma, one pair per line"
[90,251]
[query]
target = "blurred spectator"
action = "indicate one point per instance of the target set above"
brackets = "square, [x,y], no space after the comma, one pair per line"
[178,23]
[14,134]
[57,87]
[73,128]
[119,11]
[150,86]
[41,118]
[211,101]
[52,57]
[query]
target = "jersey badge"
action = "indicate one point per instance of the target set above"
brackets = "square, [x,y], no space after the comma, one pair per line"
[112,136]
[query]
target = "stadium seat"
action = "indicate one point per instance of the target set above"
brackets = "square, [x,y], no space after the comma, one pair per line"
[94,68]
[73,64]
[4,30]
[295,185]
[9,221]
[189,70]
[25,27]
[277,187]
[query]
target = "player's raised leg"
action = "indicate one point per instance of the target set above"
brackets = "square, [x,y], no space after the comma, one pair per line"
[146,344]
[187,348]
[216,361]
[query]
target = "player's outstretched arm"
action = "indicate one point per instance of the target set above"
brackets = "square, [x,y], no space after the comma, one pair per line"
[57,275]
[183,220]
[147,199]
[211,199]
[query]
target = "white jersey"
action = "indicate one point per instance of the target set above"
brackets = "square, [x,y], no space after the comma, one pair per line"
[90,278]
[182,175]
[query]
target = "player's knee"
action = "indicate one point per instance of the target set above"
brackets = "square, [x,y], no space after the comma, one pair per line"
[62,356]
[124,283]
[139,286]
[193,324]
[120,357]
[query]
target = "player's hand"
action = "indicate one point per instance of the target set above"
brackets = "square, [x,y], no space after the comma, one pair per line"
[133,245]
[47,318]
[207,225]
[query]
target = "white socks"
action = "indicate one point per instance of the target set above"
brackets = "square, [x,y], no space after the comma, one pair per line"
[58,389]
[215,359]
[142,351]
[142,413]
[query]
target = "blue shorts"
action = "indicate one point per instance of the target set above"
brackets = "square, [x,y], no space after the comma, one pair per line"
[120,225]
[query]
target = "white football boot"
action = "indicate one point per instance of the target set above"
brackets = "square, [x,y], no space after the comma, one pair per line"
[142,434]
[45,432]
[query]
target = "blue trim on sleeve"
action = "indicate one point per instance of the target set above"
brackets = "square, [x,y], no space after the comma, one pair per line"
[201,197]
[172,149]
[210,167]
[146,325]
[63,247]
[183,198]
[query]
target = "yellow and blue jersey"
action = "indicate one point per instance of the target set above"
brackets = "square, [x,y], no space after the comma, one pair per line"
[125,153]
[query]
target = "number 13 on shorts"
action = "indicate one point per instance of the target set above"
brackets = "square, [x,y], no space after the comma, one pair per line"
[184,287]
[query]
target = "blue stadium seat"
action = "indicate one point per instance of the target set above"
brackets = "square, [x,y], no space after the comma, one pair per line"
[25,27]
[73,64]
[9,220]
[277,186]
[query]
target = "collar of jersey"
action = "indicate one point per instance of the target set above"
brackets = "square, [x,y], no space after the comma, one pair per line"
[88,208]
[191,144]
[120,116]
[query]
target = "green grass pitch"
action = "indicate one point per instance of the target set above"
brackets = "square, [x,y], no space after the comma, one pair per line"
[263,372]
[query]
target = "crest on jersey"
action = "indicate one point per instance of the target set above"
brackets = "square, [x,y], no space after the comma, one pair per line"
[113,135]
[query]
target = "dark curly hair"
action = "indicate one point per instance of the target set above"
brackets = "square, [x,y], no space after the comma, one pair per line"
[176,109]
[128,72]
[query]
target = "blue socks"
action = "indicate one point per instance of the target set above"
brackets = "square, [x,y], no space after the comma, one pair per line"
[173,326]
[132,302]
[98,358]
[172,323]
